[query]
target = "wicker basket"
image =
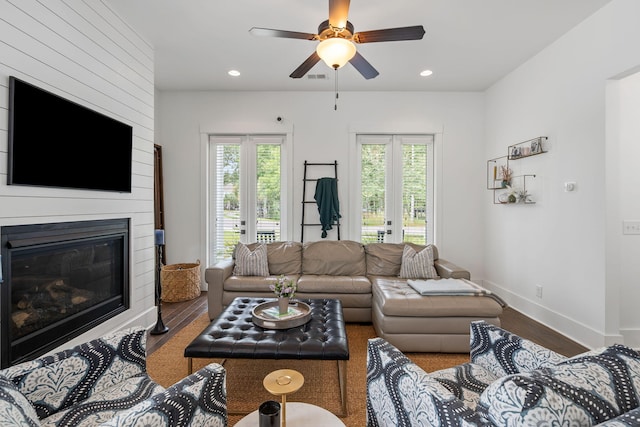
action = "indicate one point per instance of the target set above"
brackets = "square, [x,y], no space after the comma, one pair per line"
[180,282]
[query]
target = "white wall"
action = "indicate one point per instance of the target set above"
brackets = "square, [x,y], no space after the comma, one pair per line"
[623,204]
[83,52]
[561,243]
[321,134]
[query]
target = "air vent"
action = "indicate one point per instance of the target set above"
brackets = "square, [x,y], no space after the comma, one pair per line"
[317,76]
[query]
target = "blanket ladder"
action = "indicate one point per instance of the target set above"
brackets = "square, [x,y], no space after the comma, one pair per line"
[305,202]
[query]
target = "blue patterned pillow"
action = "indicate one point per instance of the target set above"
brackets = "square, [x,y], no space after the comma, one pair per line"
[466,381]
[503,353]
[15,409]
[53,383]
[584,390]
[399,393]
[628,419]
[197,400]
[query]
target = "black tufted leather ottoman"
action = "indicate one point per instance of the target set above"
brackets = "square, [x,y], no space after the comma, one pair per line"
[234,335]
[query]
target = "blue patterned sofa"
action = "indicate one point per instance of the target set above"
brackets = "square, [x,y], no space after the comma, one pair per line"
[509,381]
[105,383]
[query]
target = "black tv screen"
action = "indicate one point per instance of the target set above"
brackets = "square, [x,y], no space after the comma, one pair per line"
[54,142]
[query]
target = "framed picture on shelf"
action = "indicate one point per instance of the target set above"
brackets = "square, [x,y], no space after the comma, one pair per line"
[536,147]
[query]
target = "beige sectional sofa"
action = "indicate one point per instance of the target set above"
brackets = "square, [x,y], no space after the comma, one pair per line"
[366,280]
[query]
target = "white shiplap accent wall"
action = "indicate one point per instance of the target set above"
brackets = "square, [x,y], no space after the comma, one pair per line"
[82,51]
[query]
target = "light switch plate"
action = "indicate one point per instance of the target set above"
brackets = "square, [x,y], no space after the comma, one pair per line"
[630,227]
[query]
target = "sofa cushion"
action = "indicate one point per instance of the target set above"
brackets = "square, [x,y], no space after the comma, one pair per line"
[252,283]
[385,259]
[15,408]
[284,258]
[395,297]
[418,265]
[334,257]
[584,390]
[400,393]
[314,284]
[503,353]
[251,262]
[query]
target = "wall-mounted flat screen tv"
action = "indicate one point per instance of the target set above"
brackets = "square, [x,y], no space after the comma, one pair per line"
[54,142]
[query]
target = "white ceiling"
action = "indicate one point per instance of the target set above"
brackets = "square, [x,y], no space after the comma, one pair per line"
[469,44]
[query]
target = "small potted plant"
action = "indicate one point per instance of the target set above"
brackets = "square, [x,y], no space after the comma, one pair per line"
[284,288]
[507,174]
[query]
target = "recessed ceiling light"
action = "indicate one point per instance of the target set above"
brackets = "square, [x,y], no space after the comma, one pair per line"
[426,73]
[234,73]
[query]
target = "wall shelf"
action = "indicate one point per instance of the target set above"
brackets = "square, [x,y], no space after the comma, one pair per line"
[514,185]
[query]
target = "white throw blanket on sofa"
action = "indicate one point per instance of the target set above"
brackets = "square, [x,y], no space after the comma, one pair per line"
[451,287]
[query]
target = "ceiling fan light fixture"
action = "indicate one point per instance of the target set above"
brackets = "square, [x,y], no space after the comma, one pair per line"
[336,51]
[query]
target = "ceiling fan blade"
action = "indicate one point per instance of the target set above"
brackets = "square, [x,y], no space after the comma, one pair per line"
[268,32]
[305,66]
[338,13]
[363,66]
[390,34]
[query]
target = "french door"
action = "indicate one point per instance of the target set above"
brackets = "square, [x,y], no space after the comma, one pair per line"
[247,191]
[395,188]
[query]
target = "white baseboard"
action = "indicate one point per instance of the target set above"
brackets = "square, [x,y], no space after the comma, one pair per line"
[560,323]
[631,337]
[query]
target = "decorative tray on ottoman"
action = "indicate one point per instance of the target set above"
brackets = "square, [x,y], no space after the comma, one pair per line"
[267,315]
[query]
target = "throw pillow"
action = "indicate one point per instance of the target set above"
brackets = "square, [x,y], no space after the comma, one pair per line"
[584,390]
[466,381]
[418,265]
[400,394]
[251,263]
[15,409]
[504,353]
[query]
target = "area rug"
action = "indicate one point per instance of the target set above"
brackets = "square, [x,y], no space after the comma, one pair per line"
[245,391]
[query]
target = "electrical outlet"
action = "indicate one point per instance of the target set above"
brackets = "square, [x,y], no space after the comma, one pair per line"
[539,291]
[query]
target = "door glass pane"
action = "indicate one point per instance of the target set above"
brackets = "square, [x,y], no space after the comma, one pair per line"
[268,193]
[414,193]
[373,192]
[227,205]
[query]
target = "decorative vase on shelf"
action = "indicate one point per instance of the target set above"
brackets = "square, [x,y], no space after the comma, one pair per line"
[283,305]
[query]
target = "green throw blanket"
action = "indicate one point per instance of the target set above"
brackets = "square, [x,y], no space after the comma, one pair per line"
[327,200]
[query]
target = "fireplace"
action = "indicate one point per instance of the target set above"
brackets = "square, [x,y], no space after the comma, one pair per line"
[58,281]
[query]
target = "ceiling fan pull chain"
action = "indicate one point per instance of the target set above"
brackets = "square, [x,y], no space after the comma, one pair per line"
[335,105]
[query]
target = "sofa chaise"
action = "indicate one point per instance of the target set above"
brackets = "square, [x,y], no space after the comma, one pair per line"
[509,381]
[371,282]
[105,383]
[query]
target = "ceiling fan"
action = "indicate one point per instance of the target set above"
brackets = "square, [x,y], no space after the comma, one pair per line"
[337,38]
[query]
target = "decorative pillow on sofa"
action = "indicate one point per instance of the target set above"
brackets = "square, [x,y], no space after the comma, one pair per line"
[504,353]
[418,265]
[251,263]
[385,259]
[399,393]
[15,409]
[584,390]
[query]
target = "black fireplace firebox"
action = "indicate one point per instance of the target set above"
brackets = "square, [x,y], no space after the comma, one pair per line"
[58,281]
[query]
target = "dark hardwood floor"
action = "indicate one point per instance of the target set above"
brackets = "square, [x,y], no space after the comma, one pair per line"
[179,314]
